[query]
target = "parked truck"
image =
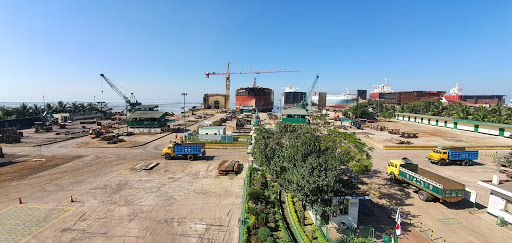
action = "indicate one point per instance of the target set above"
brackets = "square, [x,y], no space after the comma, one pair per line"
[188,151]
[444,156]
[430,184]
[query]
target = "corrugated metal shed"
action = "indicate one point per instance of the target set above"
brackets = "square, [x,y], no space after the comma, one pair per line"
[147,114]
[294,112]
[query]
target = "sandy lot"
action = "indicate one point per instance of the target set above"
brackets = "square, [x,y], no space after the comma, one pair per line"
[429,135]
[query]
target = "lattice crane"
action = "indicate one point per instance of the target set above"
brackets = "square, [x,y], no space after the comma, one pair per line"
[132,101]
[228,76]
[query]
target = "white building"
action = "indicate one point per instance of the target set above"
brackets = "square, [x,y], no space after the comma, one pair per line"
[346,211]
[500,200]
[218,130]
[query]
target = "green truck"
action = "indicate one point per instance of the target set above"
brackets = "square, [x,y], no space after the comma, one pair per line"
[430,184]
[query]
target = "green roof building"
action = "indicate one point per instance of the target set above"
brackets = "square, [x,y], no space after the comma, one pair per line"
[296,116]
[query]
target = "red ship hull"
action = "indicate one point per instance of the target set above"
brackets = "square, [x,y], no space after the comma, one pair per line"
[260,98]
[374,96]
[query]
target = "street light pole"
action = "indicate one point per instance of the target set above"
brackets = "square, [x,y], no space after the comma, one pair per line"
[184,115]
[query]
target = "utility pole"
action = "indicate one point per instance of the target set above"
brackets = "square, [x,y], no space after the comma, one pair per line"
[184,114]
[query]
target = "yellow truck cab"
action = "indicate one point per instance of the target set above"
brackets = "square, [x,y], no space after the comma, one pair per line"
[393,170]
[438,154]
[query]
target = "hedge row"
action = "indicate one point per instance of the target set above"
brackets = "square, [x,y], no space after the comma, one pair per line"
[296,220]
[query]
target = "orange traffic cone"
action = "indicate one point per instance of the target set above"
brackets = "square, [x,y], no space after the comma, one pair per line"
[20,200]
[72,199]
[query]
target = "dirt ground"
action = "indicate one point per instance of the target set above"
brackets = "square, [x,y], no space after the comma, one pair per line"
[131,141]
[73,130]
[17,167]
[177,201]
[430,135]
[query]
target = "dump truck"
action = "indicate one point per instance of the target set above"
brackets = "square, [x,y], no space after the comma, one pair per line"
[445,156]
[430,184]
[228,167]
[188,151]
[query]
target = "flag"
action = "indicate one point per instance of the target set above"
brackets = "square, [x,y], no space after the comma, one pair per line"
[398,226]
[393,238]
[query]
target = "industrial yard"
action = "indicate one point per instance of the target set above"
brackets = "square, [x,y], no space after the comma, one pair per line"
[429,136]
[186,201]
[177,201]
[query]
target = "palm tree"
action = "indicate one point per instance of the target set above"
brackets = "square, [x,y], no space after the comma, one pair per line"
[480,114]
[49,107]
[61,107]
[81,108]
[73,108]
[463,112]
[4,112]
[36,110]
[22,111]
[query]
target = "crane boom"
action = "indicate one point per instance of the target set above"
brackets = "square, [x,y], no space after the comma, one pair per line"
[310,93]
[132,102]
[228,76]
[305,102]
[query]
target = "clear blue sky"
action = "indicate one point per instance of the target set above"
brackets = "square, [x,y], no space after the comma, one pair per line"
[159,49]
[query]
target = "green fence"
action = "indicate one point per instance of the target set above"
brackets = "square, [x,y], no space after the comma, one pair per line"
[243,220]
[331,233]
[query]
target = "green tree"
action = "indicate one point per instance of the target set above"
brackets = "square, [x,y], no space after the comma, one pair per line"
[480,114]
[22,111]
[36,110]
[309,164]
[73,108]
[61,107]
[360,110]
[49,107]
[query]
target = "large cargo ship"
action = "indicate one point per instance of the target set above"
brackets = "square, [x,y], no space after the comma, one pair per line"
[456,95]
[342,100]
[258,97]
[291,97]
[380,88]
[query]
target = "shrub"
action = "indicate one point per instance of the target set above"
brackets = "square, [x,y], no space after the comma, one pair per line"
[254,195]
[269,240]
[362,240]
[252,210]
[262,218]
[264,233]
[296,220]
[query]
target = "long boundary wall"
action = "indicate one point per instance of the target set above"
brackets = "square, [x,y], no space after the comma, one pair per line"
[502,130]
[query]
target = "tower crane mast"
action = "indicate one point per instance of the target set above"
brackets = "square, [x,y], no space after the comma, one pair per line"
[228,76]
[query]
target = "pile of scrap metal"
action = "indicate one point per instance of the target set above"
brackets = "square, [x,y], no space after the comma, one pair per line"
[10,135]
[42,127]
[409,135]
[404,142]
[505,165]
[272,116]
[112,139]
[377,127]
[228,167]
[394,131]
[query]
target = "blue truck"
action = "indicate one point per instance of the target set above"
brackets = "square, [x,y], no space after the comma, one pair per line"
[444,156]
[188,151]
